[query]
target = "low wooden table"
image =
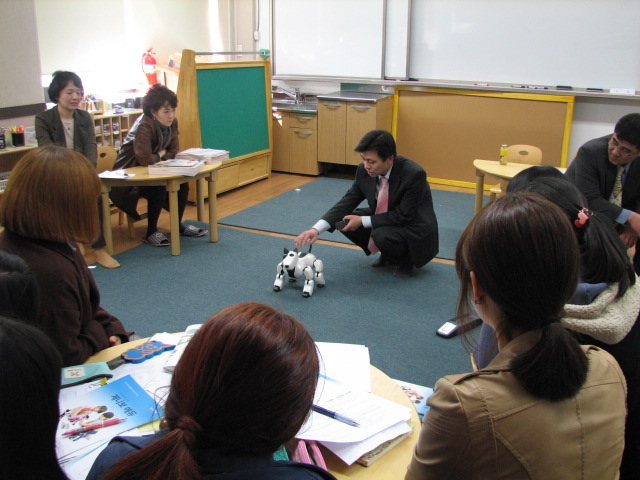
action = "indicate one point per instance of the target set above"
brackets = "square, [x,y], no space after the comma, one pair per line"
[140,177]
[392,466]
[494,169]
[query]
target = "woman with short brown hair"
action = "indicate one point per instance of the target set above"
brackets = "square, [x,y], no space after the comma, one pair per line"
[49,206]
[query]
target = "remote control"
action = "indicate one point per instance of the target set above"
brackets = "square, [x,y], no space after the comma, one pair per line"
[341,224]
[452,328]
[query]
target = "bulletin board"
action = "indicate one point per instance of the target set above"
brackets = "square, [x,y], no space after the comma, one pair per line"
[225,105]
[445,130]
[232,107]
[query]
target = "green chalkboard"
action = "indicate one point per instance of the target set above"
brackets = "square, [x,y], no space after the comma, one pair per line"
[233,109]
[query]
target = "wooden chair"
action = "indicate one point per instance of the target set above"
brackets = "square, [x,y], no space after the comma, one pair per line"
[517,154]
[107,156]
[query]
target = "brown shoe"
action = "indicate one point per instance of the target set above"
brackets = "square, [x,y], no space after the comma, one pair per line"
[404,270]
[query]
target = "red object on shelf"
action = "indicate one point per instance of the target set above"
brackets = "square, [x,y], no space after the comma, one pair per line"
[149,66]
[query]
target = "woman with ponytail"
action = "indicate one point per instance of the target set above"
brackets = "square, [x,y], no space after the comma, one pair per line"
[545,407]
[242,388]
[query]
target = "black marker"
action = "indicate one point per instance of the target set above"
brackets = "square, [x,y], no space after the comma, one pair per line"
[564,87]
[596,90]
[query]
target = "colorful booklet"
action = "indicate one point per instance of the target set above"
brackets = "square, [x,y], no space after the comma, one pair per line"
[101,414]
[417,394]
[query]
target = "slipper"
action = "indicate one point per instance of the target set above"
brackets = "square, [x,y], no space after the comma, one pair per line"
[157,239]
[191,231]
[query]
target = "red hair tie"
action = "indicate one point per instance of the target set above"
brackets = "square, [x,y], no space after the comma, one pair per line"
[583,216]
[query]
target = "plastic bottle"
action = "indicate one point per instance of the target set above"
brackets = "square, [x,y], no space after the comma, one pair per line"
[503,154]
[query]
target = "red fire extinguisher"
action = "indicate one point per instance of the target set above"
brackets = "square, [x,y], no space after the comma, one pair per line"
[149,66]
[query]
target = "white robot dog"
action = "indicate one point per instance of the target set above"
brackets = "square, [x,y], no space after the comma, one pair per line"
[296,264]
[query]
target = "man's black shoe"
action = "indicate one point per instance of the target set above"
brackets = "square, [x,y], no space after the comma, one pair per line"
[381,261]
[404,270]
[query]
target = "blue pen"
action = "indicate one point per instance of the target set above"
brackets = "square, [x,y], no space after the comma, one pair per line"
[335,415]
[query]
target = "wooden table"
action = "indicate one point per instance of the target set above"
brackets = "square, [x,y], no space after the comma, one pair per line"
[393,465]
[494,169]
[141,177]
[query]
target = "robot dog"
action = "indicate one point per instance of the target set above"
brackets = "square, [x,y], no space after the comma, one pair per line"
[296,264]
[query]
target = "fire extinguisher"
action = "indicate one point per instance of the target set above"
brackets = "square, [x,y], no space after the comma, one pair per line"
[149,66]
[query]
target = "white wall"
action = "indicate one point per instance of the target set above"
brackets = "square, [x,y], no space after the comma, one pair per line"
[103,40]
[19,59]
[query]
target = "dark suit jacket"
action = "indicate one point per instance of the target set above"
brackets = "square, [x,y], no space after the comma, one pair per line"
[410,206]
[594,175]
[49,130]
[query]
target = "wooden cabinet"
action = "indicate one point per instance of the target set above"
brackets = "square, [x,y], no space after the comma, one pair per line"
[112,129]
[341,125]
[295,138]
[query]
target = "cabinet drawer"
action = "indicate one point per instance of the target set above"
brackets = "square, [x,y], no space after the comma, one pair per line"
[227,178]
[253,169]
[302,120]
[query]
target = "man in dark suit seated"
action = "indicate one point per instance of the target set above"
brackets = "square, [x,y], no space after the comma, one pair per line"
[399,222]
[607,172]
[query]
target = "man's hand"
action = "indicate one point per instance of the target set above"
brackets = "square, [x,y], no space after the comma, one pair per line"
[628,236]
[355,222]
[114,340]
[306,238]
[631,230]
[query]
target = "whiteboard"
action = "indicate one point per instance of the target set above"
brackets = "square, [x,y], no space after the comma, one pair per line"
[582,43]
[334,38]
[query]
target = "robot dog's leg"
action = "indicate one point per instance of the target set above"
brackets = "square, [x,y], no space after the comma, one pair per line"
[279,282]
[319,273]
[309,283]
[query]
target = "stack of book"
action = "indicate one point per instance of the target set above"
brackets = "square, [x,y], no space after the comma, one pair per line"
[189,162]
[176,166]
[208,155]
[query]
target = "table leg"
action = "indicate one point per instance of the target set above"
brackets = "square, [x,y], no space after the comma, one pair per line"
[172,189]
[479,190]
[213,207]
[106,219]
[200,198]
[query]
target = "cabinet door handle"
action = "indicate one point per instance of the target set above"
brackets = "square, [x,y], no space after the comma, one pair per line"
[300,132]
[361,107]
[327,104]
[300,117]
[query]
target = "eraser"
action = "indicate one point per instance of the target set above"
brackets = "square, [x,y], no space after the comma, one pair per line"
[623,91]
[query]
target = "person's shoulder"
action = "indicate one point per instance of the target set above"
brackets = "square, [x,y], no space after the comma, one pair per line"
[603,368]
[119,447]
[47,115]
[597,143]
[408,165]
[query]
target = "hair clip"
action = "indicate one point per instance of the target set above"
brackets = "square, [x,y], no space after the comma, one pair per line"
[583,216]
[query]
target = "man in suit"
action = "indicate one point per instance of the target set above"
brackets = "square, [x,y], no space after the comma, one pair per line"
[399,222]
[607,172]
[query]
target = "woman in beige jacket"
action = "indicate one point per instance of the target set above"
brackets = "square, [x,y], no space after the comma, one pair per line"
[545,407]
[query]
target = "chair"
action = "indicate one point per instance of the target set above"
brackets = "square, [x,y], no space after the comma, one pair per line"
[107,156]
[517,154]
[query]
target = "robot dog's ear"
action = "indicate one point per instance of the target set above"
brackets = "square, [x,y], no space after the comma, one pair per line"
[286,250]
[295,249]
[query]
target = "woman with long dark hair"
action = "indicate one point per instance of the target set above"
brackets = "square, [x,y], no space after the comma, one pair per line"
[30,379]
[242,388]
[545,407]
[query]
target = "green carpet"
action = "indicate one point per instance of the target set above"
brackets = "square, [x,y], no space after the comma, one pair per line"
[297,210]
[396,319]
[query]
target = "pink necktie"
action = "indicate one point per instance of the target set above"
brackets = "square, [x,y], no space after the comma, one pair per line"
[381,207]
